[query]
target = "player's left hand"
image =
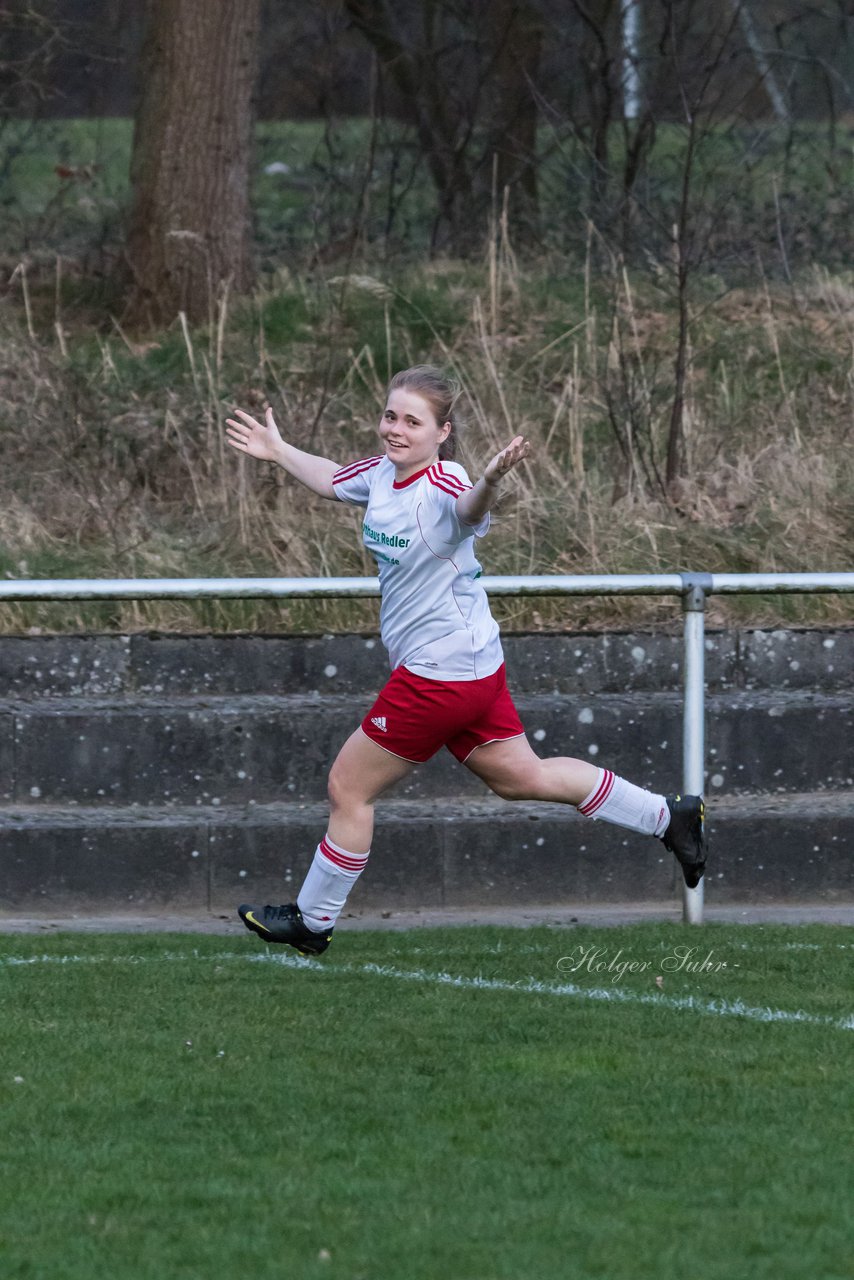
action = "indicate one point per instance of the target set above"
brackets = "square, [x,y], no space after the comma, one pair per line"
[517,449]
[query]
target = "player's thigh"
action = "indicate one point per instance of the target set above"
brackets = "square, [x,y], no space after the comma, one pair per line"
[510,768]
[363,771]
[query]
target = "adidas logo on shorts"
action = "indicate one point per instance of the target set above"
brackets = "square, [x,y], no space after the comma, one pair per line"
[379,721]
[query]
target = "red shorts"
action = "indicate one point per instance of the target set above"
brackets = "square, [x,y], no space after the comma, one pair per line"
[413,716]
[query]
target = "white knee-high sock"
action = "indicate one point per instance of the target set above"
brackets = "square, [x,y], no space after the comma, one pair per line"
[621,802]
[330,878]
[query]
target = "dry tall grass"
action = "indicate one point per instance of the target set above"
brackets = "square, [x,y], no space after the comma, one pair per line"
[114,463]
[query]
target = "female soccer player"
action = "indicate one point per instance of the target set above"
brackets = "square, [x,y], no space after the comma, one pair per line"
[447,686]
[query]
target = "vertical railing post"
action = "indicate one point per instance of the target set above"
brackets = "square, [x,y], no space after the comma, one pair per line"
[695,586]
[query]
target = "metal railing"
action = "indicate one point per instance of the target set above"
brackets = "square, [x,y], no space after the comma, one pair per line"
[693,588]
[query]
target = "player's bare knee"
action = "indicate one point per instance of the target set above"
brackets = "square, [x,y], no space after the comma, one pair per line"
[517,786]
[340,794]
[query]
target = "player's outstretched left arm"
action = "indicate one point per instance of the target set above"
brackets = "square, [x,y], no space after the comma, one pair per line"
[264,440]
[473,505]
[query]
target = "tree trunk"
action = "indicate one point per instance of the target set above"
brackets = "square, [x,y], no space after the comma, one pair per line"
[461,128]
[517,60]
[601,54]
[190,229]
[414,66]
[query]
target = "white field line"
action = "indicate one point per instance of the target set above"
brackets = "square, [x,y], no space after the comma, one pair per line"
[528,986]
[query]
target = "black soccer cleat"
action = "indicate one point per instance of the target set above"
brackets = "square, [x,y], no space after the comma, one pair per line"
[285,924]
[686,836]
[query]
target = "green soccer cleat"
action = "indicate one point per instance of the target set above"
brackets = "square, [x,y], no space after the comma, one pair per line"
[285,924]
[685,836]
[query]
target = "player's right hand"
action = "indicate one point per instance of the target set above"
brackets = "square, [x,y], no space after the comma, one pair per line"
[258,439]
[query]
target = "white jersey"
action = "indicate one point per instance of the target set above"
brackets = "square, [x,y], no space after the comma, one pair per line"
[435,617]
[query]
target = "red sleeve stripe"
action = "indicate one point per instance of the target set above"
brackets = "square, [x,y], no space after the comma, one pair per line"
[600,796]
[450,484]
[347,862]
[455,493]
[355,469]
[451,479]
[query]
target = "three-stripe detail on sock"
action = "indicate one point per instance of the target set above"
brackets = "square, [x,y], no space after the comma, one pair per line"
[599,796]
[345,861]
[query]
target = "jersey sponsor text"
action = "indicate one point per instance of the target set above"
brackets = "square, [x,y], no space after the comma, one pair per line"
[384,539]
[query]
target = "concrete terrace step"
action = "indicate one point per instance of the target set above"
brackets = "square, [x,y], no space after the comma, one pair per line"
[484,853]
[188,772]
[611,915]
[615,662]
[194,749]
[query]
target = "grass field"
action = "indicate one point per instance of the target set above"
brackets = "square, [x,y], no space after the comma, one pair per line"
[476,1103]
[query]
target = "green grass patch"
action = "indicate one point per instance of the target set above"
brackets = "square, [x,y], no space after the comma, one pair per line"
[197,1106]
[315,181]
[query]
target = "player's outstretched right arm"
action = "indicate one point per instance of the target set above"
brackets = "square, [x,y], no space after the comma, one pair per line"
[262,440]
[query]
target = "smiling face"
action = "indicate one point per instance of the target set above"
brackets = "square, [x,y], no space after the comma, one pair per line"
[410,432]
